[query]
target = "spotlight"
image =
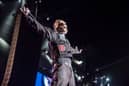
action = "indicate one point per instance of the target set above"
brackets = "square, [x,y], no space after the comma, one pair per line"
[3,44]
[107,79]
[4,47]
[48,18]
[1,2]
[79,78]
[83,76]
[78,62]
[108,84]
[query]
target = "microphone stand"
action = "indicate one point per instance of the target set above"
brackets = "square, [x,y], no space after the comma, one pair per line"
[37,2]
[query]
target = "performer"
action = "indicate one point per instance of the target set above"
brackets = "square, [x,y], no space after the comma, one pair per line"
[61,50]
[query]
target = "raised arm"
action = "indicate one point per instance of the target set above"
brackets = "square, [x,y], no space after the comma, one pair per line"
[35,24]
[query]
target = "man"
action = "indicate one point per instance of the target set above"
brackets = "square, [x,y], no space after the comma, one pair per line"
[61,50]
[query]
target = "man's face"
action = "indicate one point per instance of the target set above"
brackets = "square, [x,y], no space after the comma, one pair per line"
[60,26]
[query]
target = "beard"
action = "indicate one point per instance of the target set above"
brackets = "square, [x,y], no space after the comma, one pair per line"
[60,30]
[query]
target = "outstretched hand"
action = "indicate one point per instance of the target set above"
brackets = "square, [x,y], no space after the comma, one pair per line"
[25,10]
[77,51]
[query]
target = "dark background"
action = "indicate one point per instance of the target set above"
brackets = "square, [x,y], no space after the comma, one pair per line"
[99,27]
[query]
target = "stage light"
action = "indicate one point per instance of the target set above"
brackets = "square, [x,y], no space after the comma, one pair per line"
[78,62]
[48,18]
[3,44]
[107,79]
[4,47]
[1,2]
[83,77]
[102,80]
[79,78]
[108,84]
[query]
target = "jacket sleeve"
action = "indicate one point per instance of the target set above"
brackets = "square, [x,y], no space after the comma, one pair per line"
[39,27]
